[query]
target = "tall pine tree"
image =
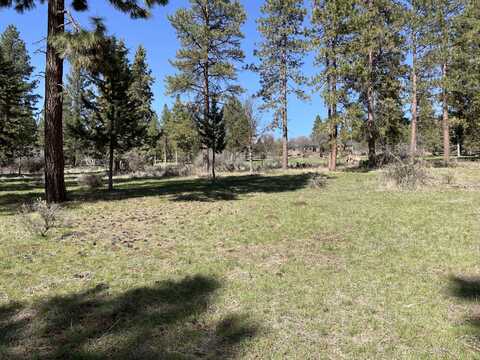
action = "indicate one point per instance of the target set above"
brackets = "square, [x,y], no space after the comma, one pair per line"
[280,54]
[209,32]
[54,158]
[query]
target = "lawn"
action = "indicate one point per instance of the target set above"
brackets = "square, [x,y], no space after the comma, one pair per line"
[262,267]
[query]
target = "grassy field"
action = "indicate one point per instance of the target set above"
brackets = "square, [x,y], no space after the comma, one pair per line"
[261,267]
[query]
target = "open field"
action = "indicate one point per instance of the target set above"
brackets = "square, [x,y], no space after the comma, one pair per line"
[252,267]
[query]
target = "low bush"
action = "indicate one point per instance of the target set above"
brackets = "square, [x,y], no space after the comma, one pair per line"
[317,181]
[91,181]
[39,217]
[406,175]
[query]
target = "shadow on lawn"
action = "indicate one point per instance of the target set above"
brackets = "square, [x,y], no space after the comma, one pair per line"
[159,322]
[201,189]
[468,289]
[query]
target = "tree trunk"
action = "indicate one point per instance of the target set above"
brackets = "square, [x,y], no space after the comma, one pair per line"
[110,165]
[414,106]
[284,111]
[371,117]
[445,119]
[54,161]
[250,158]
[332,115]
[213,165]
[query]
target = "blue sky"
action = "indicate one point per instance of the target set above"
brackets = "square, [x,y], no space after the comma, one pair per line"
[158,37]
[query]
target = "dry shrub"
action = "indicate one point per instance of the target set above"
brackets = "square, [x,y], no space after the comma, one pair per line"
[406,175]
[39,217]
[317,181]
[91,181]
[448,178]
[136,160]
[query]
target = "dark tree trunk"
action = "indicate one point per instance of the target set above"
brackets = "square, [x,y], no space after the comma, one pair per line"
[110,165]
[284,111]
[332,115]
[371,117]
[414,106]
[213,165]
[445,119]
[54,161]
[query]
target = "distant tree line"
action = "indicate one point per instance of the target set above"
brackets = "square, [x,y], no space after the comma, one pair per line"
[390,73]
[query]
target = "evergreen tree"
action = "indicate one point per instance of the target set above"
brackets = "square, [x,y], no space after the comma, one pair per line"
[17,100]
[141,88]
[331,24]
[115,126]
[464,76]
[212,131]
[74,113]
[181,130]
[321,133]
[237,126]
[54,159]
[209,33]
[153,136]
[377,68]
[164,124]
[281,58]
[441,17]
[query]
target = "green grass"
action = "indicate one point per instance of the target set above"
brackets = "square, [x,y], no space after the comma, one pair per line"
[254,267]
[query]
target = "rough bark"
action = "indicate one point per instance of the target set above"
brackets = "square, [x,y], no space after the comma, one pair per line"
[284,112]
[445,118]
[414,104]
[371,116]
[54,160]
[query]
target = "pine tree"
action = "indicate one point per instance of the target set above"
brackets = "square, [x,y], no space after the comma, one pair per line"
[212,131]
[141,88]
[209,33]
[377,68]
[181,130]
[237,125]
[54,159]
[17,100]
[331,24]
[74,113]
[115,126]
[441,17]
[281,58]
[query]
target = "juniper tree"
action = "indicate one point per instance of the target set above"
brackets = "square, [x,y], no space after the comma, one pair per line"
[209,32]
[280,55]
[17,100]
[57,13]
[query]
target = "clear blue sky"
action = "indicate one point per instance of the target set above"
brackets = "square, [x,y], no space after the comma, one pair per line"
[158,37]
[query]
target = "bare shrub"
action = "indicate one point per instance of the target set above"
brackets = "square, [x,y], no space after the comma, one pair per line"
[317,181]
[39,217]
[406,175]
[448,178]
[31,165]
[91,181]
[135,160]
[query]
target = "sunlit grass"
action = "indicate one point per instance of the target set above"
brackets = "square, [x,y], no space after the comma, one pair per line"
[282,270]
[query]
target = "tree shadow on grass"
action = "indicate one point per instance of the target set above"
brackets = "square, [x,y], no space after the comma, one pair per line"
[468,289]
[200,189]
[159,322]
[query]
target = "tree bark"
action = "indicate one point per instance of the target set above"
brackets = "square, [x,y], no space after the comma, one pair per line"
[414,104]
[284,111]
[445,119]
[250,158]
[110,165]
[332,114]
[54,160]
[371,116]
